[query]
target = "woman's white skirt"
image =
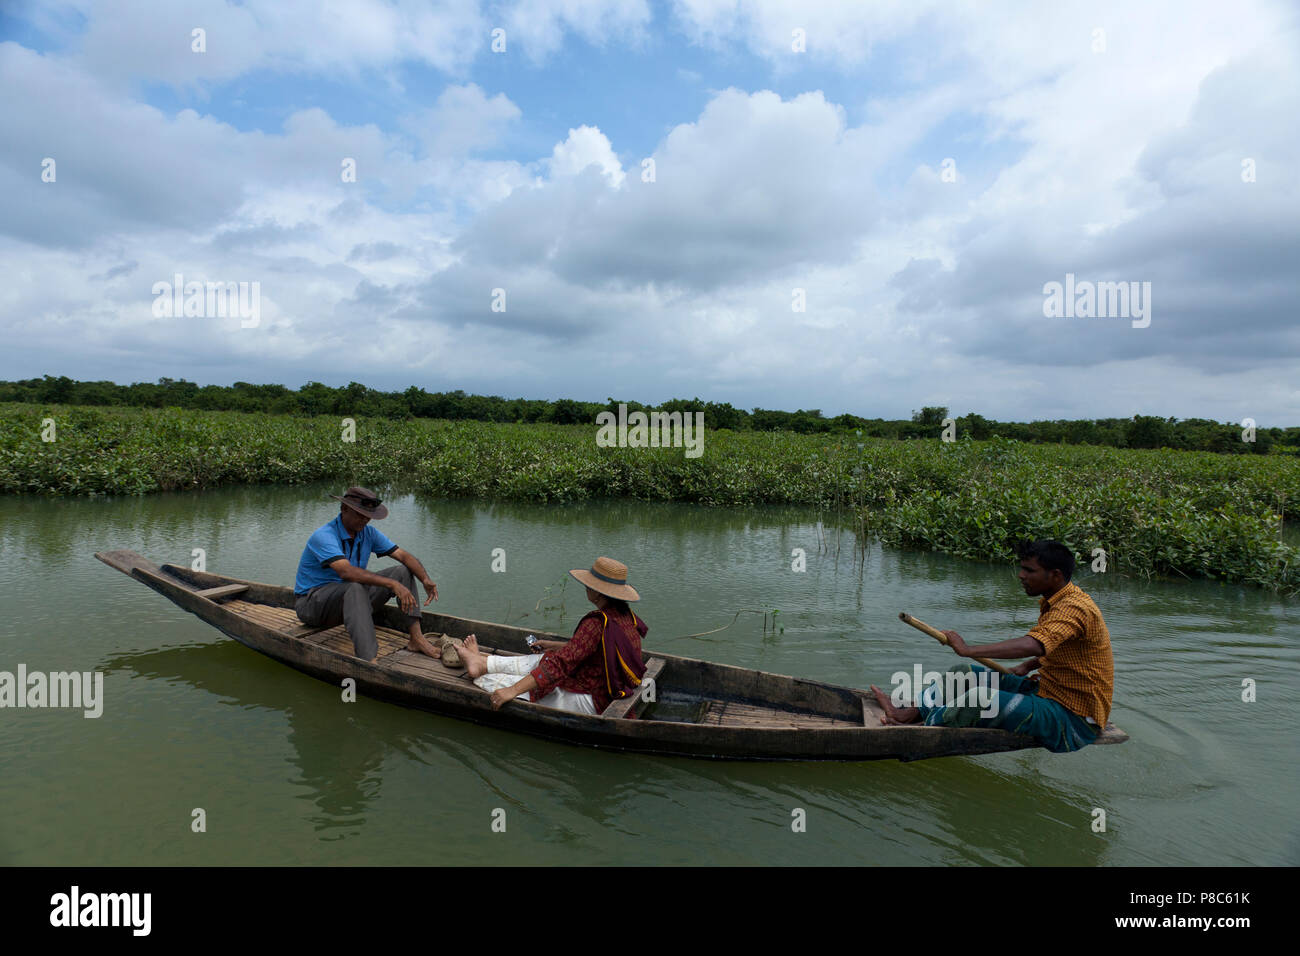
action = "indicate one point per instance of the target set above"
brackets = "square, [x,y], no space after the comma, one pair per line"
[504,672]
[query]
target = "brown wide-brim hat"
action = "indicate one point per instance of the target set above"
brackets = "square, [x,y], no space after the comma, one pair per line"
[363,501]
[608,577]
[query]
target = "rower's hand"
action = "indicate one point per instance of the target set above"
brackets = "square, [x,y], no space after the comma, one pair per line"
[545,646]
[956,642]
[405,599]
[431,590]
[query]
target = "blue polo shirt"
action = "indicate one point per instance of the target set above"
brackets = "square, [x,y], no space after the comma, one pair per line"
[330,542]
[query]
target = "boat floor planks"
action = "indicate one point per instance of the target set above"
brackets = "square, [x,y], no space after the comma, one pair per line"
[701,709]
[735,714]
[285,621]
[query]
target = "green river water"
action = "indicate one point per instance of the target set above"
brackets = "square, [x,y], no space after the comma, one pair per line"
[289,774]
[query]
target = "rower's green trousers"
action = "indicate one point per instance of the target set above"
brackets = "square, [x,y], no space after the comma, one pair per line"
[1016,707]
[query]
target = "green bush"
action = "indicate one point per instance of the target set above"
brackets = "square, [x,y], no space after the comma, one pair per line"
[1195,514]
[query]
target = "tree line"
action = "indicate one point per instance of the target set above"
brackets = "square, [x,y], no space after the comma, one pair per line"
[355,399]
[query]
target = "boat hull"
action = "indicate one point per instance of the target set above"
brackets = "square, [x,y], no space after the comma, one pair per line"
[716,711]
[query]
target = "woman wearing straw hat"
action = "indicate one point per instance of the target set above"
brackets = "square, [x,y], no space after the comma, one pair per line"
[600,664]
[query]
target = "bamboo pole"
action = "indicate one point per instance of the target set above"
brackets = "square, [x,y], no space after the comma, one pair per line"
[938,635]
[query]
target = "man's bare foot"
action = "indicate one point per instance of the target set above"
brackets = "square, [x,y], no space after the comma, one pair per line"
[422,645]
[474,659]
[894,715]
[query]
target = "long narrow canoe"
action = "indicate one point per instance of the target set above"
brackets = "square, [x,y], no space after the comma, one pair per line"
[699,709]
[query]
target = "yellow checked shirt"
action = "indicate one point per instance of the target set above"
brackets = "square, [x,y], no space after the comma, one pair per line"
[1076,670]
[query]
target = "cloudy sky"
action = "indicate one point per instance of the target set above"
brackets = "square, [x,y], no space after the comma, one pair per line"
[650,185]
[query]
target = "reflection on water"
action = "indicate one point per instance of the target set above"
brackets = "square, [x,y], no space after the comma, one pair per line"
[338,758]
[288,773]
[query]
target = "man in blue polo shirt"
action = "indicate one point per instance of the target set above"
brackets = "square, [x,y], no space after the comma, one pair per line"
[333,586]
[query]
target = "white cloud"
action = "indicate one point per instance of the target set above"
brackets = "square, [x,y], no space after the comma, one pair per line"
[586,146]
[152,38]
[842,31]
[542,24]
[463,119]
[1122,164]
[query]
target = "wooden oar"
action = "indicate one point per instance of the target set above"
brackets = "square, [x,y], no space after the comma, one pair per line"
[938,635]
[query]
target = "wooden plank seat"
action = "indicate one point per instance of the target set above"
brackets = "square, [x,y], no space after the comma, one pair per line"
[631,705]
[226,590]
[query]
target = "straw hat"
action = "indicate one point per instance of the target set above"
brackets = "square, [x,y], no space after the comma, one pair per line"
[363,501]
[608,577]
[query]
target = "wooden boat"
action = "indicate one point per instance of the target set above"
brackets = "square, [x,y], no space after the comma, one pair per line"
[699,709]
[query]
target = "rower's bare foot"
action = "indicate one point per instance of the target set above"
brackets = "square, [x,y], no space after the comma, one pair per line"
[894,715]
[422,645]
[473,658]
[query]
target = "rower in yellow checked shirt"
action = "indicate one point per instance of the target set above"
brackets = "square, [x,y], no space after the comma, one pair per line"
[1068,703]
